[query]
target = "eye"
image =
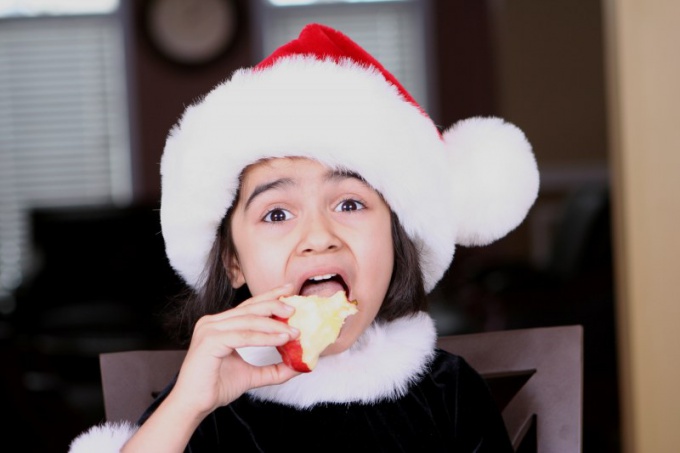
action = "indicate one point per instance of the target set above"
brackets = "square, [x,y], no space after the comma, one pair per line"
[277,215]
[349,205]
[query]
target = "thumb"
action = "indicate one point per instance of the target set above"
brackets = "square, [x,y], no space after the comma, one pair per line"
[273,374]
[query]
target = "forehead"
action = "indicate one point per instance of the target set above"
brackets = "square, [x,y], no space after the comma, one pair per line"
[293,170]
[285,165]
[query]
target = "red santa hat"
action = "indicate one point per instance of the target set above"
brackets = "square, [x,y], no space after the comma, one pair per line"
[322,96]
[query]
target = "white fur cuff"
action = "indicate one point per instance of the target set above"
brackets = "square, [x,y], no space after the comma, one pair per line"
[105,438]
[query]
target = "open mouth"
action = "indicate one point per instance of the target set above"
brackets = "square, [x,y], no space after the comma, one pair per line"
[324,285]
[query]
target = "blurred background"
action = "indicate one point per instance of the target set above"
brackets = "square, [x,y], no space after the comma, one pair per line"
[89,90]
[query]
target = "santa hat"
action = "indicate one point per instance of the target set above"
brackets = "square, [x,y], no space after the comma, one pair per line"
[323,97]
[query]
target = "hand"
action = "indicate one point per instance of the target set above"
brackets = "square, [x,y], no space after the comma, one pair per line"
[213,374]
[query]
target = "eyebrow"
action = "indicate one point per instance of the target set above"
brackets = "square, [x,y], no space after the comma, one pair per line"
[268,186]
[331,175]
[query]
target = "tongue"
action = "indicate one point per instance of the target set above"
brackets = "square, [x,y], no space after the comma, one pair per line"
[325,289]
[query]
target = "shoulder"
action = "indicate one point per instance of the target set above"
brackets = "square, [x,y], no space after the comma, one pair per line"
[453,371]
[452,365]
[451,379]
[477,417]
[459,385]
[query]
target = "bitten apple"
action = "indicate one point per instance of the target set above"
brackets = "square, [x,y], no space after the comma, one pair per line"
[319,320]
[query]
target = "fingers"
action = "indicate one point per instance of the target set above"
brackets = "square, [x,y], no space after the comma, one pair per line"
[256,317]
[274,294]
[254,323]
[221,344]
[245,328]
[213,363]
[273,374]
[251,323]
[265,304]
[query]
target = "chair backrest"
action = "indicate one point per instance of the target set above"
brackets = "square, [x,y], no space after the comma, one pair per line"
[132,379]
[535,376]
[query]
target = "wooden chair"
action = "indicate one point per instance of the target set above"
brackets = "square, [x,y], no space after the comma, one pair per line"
[132,379]
[535,376]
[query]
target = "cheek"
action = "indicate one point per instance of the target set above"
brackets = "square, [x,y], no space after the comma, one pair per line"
[379,253]
[255,270]
[263,266]
[378,259]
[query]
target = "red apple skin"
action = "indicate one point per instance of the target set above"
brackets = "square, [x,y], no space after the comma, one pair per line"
[291,353]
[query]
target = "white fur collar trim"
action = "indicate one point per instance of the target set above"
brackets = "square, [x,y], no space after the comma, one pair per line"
[381,365]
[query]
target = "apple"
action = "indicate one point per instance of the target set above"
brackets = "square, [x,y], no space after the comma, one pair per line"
[319,320]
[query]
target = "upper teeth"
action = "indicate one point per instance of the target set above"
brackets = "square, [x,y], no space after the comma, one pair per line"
[319,278]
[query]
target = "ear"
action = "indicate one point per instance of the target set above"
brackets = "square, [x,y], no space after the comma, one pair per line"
[234,272]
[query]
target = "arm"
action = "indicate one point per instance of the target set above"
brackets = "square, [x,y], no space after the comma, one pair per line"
[213,374]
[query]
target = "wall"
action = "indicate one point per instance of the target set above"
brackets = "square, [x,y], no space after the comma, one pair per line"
[540,64]
[550,74]
[643,74]
[161,89]
[549,81]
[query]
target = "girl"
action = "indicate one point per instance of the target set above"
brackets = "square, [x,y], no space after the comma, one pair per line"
[312,172]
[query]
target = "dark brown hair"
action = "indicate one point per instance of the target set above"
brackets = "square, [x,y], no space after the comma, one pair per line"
[405,293]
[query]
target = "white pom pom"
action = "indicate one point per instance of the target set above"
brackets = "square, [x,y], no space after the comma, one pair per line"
[494,178]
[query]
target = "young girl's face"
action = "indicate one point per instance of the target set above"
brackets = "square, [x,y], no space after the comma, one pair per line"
[297,221]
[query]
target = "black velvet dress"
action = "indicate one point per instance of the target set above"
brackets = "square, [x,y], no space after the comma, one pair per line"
[448,410]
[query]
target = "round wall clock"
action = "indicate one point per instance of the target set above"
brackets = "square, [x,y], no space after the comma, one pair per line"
[191,32]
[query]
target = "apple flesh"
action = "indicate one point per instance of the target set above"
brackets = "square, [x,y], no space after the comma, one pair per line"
[319,320]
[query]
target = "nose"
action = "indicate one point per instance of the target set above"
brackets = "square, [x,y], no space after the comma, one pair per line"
[318,235]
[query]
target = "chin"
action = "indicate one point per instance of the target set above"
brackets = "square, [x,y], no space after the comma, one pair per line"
[347,338]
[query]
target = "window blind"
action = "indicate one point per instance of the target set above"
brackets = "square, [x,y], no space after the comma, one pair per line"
[63,126]
[392,31]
